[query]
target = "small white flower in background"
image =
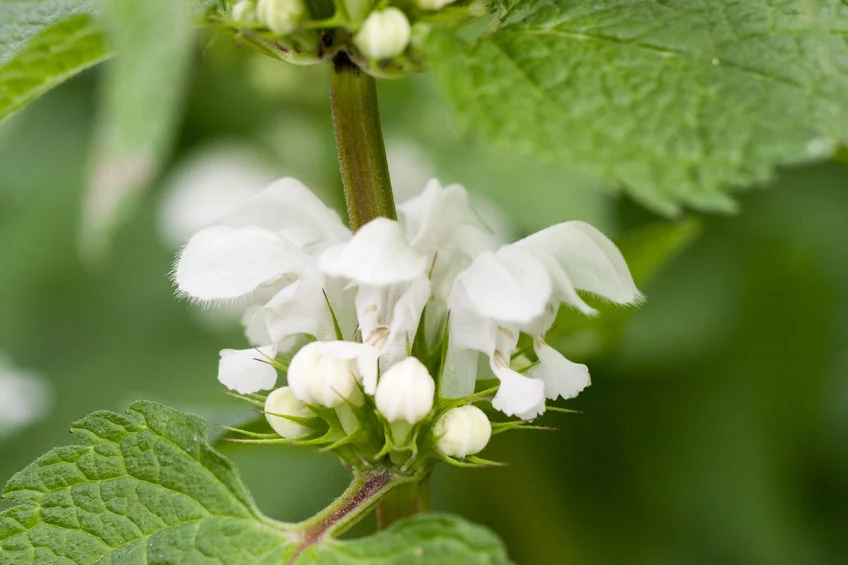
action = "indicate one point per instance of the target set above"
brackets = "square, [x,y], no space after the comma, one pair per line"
[462,431]
[519,289]
[433,4]
[207,185]
[244,11]
[409,168]
[24,398]
[283,401]
[384,34]
[281,16]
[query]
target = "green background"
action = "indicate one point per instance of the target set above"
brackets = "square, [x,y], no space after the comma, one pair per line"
[716,433]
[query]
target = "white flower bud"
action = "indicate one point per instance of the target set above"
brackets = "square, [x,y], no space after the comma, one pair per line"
[283,401]
[244,11]
[433,4]
[462,431]
[405,392]
[384,34]
[327,373]
[281,16]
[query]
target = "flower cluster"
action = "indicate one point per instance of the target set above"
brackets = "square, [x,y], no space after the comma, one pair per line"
[380,331]
[379,37]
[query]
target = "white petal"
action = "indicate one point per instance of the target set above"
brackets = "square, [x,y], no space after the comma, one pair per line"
[370,305]
[511,286]
[591,260]
[299,308]
[245,370]
[366,359]
[289,207]
[255,325]
[429,217]
[221,263]
[518,395]
[406,314]
[377,255]
[468,329]
[561,377]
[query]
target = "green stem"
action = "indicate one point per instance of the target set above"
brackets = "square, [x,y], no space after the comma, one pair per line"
[359,137]
[355,502]
[407,499]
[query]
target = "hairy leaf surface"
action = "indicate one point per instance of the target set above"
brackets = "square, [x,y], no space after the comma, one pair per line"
[676,101]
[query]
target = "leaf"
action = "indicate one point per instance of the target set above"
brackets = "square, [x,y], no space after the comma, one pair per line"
[43,43]
[141,103]
[647,251]
[430,539]
[676,101]
[144,487]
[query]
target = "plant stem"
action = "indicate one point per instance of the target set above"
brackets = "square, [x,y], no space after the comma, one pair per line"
[359,137]
[358,499]
[407,499]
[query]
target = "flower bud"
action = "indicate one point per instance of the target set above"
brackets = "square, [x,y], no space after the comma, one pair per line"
[326,373]
[244,12]
[281,16]
[383,34]
[462,431]
[283,401]
[433,4]
[405,392]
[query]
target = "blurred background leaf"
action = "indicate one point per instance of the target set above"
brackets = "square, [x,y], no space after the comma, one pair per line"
[140,108]
[715,432]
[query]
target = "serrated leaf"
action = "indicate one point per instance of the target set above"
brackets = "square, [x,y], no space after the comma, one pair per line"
[43,43]
[431,539]
[141,101]
[647,251]
[144,487]
[676,101]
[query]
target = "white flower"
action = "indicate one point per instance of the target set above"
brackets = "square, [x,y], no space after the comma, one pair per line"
[247,370]
[244,11]
[281,16]
[392,285]
[264,254]
[433,4]
[207,185]
[441,225]
[25,398]
[519,289]
[405,392]
[283,402]
[384,34]
[462,431]
[328,373]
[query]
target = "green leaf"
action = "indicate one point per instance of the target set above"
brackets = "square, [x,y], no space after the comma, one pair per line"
[676,101]
[647,251]
[140,112]
[43,43]
[144,487]
[431,539]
